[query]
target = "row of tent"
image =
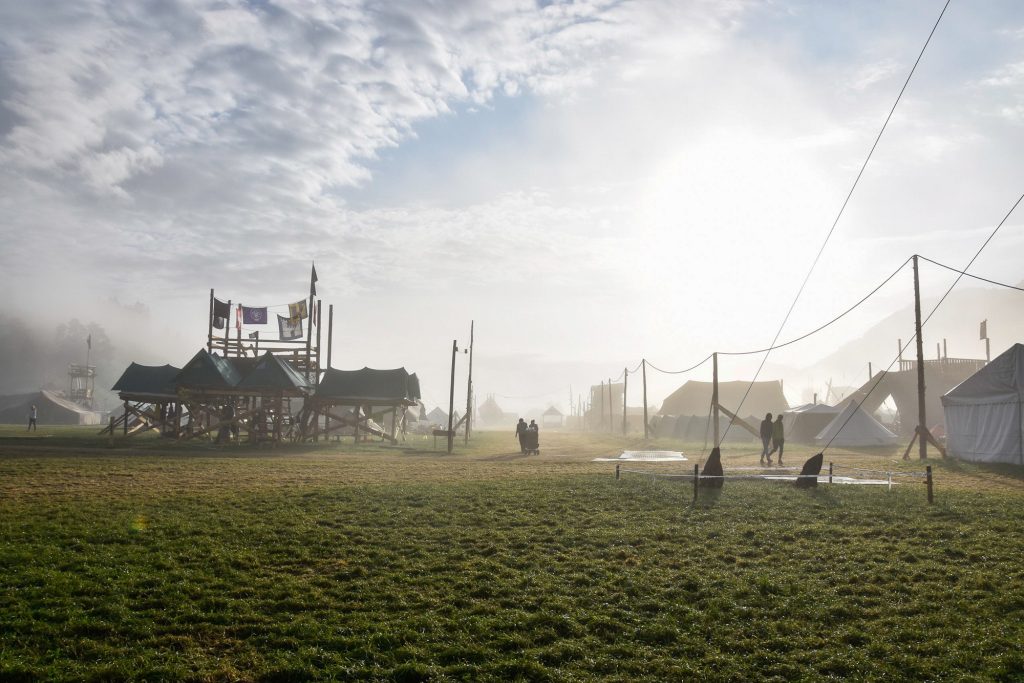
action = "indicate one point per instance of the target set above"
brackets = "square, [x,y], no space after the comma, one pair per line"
[268,373]
[843,425]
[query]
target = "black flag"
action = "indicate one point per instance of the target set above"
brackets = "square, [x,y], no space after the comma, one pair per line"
[312,282]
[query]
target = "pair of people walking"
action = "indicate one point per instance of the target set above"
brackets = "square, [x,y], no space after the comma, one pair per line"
[772,434]
[526,434]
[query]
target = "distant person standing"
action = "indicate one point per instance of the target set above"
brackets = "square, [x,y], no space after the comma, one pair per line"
[33,416]
[778,439]
[766,438]
[520,430]
[533,426]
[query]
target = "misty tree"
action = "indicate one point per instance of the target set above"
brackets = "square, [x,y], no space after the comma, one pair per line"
[21,356]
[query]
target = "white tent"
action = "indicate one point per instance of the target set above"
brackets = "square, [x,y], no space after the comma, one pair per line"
[854,427]
[983,413]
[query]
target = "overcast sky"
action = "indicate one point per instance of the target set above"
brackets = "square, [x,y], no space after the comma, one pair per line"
[592,182]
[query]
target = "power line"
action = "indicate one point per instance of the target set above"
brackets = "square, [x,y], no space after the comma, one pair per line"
[795,339]
[928,317]
[842,209]
[976,277]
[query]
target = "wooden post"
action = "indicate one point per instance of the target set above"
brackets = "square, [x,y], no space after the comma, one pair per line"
[227,330]
[938,351]
[714,394]
[355,414]
[469,385]
[988,351]
[922,422]
[309,335]
[451,396]
[126,418]
[928,483]
[257,343]
[209,333]
[696,481]
[643,364]
[238,330]
[111,431]
[945,354]
[330,332]
[830,472]
[617,466]
[870,373]
[611,408]
[601,419]
[319,304]
[899,350]
[625,384]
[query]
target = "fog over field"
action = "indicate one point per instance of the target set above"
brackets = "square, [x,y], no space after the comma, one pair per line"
[593,183]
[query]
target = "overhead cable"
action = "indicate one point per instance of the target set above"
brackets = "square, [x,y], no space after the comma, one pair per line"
[842,209]
[924,322]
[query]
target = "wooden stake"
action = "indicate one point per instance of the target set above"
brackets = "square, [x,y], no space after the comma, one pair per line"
[617,466]
[830,472]
[696,482]
[111,431]
[928,483]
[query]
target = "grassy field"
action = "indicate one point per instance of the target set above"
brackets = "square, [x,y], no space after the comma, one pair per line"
[162,561]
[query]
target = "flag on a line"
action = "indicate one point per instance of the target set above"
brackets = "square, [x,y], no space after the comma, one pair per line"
[221,311]
[312,281]
[289,328]
[297,310]
[254,335]
[252,315]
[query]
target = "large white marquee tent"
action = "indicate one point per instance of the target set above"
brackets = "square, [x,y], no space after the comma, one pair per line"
[983,413]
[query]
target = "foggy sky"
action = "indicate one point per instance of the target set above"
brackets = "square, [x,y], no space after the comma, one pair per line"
[593,182]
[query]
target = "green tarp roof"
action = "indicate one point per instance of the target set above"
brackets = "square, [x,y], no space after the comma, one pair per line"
[370,385]
[206,371]
[151,380]
[270,372]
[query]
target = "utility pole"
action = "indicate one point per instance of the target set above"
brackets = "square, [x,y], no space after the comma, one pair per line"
[714,393]
[625,384]
[611,408]
[451,396]
[922,423]
[469,383]
[643,364]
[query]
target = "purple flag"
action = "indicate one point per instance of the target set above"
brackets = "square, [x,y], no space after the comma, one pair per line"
[254,316]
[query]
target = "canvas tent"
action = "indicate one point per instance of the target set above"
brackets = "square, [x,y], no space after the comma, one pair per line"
[694,398]
[51,410]
[854,427]
[804,423]
[984,414]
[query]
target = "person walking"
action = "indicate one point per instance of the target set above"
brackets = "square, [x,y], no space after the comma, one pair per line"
[766,438]
[778,439]
[33,416]
[520,430]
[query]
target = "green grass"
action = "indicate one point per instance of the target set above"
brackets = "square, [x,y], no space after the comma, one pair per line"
[405,565]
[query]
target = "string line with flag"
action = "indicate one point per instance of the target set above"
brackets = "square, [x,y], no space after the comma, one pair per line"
[289,328]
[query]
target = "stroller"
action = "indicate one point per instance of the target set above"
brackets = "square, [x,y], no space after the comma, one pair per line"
[529,440]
